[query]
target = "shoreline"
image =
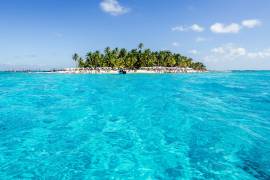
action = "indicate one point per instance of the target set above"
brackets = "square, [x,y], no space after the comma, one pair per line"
[143,70]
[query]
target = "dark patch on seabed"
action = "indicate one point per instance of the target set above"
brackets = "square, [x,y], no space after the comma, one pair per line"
[175,173]
[251,164]
[254,169]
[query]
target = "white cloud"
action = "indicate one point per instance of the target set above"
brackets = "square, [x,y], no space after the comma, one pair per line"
[179,28]
[222,28]
[251,23]
[230,52]
[194,27]
[113,7]
[193,51]
[259,54]
[234,27]
[218,50]
[175,44]
[231,56]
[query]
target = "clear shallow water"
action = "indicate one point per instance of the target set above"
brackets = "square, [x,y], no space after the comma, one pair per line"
[186,126]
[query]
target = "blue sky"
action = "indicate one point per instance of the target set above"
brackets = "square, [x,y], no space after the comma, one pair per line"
[224,34]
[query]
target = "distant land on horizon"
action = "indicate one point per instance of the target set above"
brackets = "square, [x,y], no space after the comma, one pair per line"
[8,67]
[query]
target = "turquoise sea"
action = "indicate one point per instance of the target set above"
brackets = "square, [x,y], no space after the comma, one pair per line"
[167,126]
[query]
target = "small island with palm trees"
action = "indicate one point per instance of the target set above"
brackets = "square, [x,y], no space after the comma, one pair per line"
[137,60]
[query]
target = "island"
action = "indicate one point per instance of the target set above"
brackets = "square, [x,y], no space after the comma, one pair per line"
[138,60]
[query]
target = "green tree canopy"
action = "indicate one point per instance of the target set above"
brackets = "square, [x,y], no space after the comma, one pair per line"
[135,58]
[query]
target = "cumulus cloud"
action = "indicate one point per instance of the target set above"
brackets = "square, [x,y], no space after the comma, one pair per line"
[251,23]
[222,28]
[259,54]
[234,27]
[194,27]
[230,52]
[179,28]
[218,50]
[113,7]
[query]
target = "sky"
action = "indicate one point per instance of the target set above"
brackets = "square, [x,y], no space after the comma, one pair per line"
[223,34]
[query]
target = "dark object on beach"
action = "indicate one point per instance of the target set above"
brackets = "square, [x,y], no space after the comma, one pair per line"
[122,71]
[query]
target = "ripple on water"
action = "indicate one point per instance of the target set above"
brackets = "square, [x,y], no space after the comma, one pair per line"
[184,126]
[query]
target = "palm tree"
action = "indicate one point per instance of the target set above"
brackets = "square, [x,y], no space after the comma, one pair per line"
[107,57]
[96,56]
[107,50]
[140,46]
[161,58]
[122,53]
[146,57]
[135,58]
[81,62]
[75,57]
[88,61]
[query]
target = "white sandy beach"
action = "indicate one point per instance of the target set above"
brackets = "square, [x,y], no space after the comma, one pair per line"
[143,70]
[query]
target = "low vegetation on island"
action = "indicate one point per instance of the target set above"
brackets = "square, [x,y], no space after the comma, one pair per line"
[135,59]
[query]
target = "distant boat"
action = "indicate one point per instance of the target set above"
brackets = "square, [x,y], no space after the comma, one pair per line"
[122,71]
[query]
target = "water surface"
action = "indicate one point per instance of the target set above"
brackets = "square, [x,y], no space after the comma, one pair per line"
[168,126]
